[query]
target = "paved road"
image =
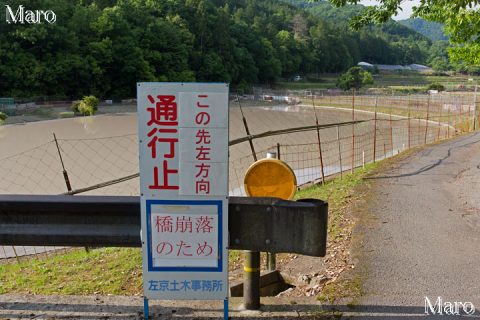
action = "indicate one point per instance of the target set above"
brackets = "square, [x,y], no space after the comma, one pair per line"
[421,236]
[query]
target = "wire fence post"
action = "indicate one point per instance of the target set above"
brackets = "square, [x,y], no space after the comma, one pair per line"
[455,119]
[408,111]
[391,129]
[65,174]
[461,115]
[375,132]
[339,152]
[475,119]
[470,118]
[353,131]
[426,121]
[448,120]
[278,150]
[15,253]
[419,123]
[439,124]
[319,140]
[247,131]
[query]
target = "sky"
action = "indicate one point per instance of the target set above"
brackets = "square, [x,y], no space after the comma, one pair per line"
[406,6]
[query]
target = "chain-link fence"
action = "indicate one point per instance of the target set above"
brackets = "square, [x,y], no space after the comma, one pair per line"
[319,137]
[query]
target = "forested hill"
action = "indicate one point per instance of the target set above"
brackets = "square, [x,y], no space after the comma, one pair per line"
[391,30]
[103,47]
[432,30]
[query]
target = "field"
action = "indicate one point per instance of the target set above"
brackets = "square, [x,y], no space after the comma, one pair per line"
[391,81]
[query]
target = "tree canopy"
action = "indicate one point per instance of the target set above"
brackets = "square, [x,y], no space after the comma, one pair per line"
[354,78]
[103,47]
[461,19]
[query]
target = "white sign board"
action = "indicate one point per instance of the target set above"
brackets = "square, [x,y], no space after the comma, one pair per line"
[183,139]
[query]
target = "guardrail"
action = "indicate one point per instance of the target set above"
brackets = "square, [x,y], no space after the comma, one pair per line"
[257,224]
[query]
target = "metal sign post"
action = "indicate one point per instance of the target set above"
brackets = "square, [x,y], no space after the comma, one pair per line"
[269,177]
[183,139]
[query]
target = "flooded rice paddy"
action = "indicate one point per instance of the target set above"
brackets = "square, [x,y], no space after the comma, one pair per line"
[103,148]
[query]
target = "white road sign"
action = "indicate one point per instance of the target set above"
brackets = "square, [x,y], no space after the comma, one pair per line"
[183,139]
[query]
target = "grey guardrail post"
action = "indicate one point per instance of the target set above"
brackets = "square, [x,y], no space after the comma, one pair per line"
[273,227]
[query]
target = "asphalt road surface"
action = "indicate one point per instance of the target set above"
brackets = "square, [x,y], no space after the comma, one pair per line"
[421,234]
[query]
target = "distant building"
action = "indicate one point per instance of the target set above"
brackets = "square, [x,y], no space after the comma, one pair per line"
[395,67]
[419,67]
[365,65]
[391,67]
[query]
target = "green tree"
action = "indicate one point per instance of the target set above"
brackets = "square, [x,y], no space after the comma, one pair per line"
[440,64]
[3,117]
[461,19]
[87,106]
[103,47]
[354,78]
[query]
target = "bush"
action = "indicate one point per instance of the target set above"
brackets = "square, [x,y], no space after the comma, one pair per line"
[408,90]
[75,105]
[3,116]
[87,106]
[436,86]
[354,78]
[243,87]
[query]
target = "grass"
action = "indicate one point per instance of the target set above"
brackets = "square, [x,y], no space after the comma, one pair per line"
[119,270]
[345,287]
[101,271]
[394,82]
[66,114]
[338,193]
